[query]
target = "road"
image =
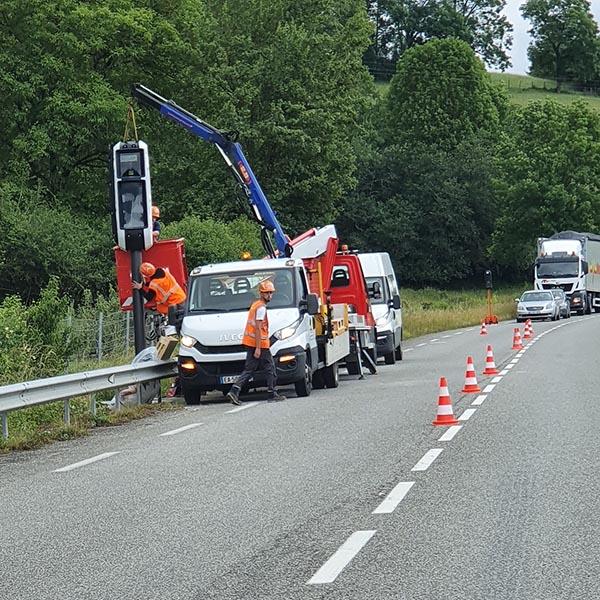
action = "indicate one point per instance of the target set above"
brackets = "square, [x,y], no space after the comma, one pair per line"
[319,497]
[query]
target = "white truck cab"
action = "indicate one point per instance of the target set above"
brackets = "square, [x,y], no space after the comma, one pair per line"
[385,305]
[211,354]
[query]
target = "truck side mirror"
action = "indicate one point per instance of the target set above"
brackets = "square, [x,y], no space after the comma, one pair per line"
[375,291]
[311,304]
[585,267]
[175,315]
[395,302]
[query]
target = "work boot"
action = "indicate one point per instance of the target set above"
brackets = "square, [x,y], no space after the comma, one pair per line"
[232,395]
[275,397]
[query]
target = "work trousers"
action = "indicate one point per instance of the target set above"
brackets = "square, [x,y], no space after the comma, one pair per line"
[263,363]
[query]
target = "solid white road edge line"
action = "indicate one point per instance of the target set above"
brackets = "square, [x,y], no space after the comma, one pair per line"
[479,400]
[184,428]
[87,461]
[427,459]
[338,561]
[488,388]
[243,407]
[394,498]
[467,414]
[452,431]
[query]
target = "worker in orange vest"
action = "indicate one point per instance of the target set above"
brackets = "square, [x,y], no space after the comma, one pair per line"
[155,223]
[159,287]
[256,340]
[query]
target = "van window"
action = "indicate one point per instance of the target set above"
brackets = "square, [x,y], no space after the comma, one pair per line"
[385,292]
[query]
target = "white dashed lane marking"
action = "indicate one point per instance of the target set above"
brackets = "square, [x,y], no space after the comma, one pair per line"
[394,498]
[87,461]
[427,459]
[184,428]
[479,400]
[467,414]
[243,407]
[450,433]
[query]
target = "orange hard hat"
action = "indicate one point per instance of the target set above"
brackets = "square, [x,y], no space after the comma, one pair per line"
[147,269]
[155,212]
[266,286]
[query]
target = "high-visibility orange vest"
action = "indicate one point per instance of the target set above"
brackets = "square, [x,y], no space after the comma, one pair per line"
[168,292]
[249,338]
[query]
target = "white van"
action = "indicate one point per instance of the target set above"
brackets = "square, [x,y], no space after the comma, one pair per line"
[385,304]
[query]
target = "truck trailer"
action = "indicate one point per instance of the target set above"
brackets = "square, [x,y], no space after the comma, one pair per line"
[571,261]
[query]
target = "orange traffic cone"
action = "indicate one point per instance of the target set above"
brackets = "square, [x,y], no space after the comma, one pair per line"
[483,329]
[530,327]
[527,335]
[444,416]
[517,344]
[470,386]
[490,365]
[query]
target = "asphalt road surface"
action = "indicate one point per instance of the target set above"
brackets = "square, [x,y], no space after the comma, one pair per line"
[348,494]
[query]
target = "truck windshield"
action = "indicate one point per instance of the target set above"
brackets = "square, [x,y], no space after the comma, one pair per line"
[558,269]
[382,285]
[229,292]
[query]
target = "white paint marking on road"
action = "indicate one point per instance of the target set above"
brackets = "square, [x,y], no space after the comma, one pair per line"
[243,407]
[427,459]
[520,354]
[467,414]
[509,367]
[394,498]
[344,554]
[504,372]
[419,345]
[479,400]
[407,349]
[184,428]
[450,433]
[435,340]
[514,361]
[488,388]
[446,336]
[497,379]
[459,333]
[87,461]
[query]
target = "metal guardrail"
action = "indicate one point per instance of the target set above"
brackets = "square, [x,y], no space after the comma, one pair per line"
[64,387]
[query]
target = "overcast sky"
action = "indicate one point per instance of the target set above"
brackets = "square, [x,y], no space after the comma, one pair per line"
[521,37]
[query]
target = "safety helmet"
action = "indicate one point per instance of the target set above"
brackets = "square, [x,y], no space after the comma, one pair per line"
[266,286]
[147,269]
[155,212]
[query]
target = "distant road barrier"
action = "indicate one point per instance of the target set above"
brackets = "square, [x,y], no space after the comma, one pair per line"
[64,387]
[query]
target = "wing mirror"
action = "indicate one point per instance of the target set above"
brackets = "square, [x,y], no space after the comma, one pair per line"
[585,267]
[395,302]
[311,304]
[175,316]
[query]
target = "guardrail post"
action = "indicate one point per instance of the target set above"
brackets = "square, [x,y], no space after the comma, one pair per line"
[67,412]
[93,404]
[4,418]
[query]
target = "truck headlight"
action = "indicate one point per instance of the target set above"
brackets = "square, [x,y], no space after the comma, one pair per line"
[287,332]
[188,341]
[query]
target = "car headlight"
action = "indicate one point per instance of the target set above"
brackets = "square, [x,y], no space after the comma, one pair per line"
[287,332]
[520,307]
[548,306]
[188,341]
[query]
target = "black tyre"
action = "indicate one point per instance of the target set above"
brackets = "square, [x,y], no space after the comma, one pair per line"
[318,382]
[390,358]
[399,355]
[304,386]
[192,397]
[331,376]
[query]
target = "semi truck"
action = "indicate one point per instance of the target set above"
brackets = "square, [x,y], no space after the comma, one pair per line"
[320,315]
[571,261]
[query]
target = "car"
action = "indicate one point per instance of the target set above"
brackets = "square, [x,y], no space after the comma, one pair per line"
[564,304]
[537,304]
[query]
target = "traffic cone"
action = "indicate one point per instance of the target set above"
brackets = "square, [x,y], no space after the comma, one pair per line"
[527,335]
[444,416]
[470,386]
[531,327]
[490,365]
[517,344]
[483,330]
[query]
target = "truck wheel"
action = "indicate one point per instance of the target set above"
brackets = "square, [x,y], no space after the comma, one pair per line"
[353,368]
[390,358]
[192,397]
[304,386]
[318,383]
[331,376]
[399,352]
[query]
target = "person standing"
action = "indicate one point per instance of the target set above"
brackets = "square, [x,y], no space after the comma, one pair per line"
[256,340]
[156,225]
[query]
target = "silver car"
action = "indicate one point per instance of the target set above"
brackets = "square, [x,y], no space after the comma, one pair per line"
[536,304]
[564,304]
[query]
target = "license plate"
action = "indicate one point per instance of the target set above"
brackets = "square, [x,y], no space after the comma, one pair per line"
[228,378]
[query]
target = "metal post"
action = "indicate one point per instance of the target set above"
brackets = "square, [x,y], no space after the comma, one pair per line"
[67,412]
[93,404]
[4,417]
[127,319]
[100,328]
[138,302]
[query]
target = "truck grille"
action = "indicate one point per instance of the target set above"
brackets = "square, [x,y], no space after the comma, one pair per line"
[219,349]
[227,368]
[567,287]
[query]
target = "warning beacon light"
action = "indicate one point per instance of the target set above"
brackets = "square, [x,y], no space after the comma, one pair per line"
[131,195]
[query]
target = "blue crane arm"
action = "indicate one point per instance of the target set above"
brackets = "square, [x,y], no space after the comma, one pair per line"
[232,153]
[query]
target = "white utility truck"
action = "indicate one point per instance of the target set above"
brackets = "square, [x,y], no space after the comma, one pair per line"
[571,261]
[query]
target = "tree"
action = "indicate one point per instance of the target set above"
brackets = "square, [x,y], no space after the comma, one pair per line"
[548,178]
[402,24]
[564,39]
